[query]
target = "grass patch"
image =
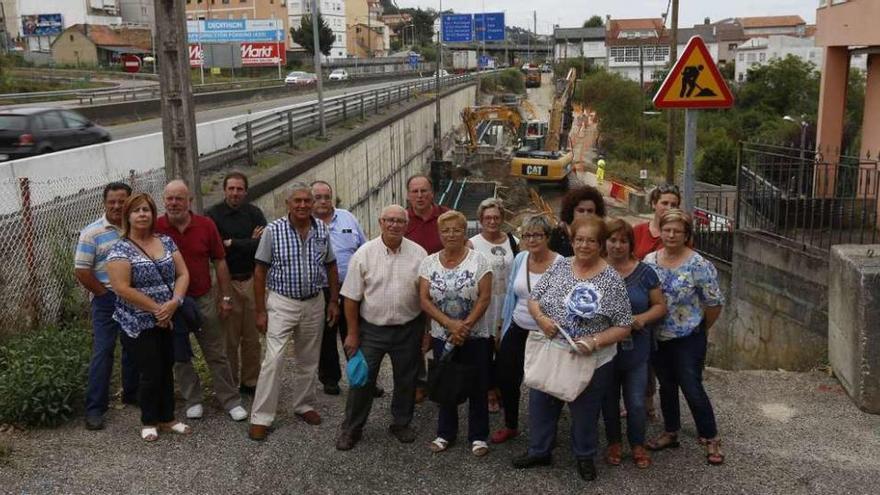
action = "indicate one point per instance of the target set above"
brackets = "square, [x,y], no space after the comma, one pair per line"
[308,143]
[268,161]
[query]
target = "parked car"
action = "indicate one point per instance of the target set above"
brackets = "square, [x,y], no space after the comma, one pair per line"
[443,73]
[533,78]
[299,78]
[33,131]
[338,75]
[707,221]
[510,99]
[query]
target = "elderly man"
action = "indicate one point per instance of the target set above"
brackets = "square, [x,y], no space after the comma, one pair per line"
[90,269]
[422,229]
[294,256]
[383,271]
[346,237]
[200,244]
[241,225]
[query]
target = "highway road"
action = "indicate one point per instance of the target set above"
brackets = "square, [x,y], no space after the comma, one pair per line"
[140,128]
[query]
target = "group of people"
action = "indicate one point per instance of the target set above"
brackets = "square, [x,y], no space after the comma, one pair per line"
[632,299]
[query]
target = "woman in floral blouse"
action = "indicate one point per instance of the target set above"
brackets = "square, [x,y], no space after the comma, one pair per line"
[587,298]
[694,301]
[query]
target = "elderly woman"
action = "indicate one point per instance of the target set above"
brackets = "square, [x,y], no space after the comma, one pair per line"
[499,248]
[528,268]
[631,362]
[647,234]
[694,301]
[588,299]
[149,276]
[577,203]
[455,288]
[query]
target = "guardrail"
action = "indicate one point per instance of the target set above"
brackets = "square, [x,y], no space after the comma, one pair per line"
[283,126]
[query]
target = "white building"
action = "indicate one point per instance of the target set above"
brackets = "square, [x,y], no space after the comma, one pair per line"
[332,12]
[759,51]
[586,43]
[138,12]
[707,32]
[27,18]
[625,38]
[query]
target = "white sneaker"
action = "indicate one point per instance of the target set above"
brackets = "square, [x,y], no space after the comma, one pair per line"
[238,413]
[195,412]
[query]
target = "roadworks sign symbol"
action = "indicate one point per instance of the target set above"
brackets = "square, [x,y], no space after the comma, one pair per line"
[694,82]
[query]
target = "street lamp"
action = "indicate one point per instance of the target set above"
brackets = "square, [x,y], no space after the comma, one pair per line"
[804,124]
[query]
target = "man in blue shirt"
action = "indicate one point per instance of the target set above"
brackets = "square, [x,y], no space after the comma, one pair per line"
[346,237]
[90,268]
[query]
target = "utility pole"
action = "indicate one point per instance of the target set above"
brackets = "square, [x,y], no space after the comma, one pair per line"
[438,130]
[670,127]
[176,101]
[535,28]
[316,39]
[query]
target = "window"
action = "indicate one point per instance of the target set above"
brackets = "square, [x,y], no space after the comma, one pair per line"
[731,46]
[741,57]
[750,57]
[71,37]
[51,121]
[762,56]
[74,120]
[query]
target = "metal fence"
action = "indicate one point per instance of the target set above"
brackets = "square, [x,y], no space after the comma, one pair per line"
[37,242]
[804,197]
[714,213]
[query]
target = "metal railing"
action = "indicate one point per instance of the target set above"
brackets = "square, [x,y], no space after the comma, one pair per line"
[301,120]
[713,220]
[804,197]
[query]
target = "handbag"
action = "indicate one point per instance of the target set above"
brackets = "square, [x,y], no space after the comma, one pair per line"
[189,309]
[450,382]
[556,368]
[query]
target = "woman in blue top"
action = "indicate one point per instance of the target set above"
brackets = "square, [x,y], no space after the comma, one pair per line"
[694,301]
[516,322]
[631,362]
[144,269]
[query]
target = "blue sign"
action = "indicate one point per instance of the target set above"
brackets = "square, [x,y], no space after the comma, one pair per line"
[234,30]
[457,27]
[484,61]
[41,25]
[494,27]
[414,60]
[225,25]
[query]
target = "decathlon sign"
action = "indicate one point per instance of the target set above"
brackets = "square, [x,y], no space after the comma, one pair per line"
[234,30]
[252,54]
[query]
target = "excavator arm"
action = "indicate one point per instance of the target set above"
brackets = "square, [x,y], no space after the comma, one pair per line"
[557,112]
[472,116]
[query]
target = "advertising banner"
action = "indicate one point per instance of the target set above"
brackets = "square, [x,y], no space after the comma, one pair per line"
[41,25]
[252,54]
[235,30]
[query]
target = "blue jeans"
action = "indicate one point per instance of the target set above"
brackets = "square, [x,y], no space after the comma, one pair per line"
[474,352]
[544,410]
[106,330]
[679,364]
[632,381]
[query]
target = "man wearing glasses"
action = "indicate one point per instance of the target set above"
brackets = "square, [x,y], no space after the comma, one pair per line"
[385,269]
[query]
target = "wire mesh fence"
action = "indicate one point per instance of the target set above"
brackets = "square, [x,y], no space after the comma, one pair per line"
[39,227]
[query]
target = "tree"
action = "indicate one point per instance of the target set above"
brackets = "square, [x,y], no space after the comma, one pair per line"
[594,22]
[304,38]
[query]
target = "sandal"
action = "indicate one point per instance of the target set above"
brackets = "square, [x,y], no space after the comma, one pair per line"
[149,434]
[664,441]
[713,452]
[479,448]
[177,427]
[439,445]
[641,457]
[614,454]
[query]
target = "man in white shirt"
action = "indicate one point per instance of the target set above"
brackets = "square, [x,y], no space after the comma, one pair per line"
[381,271]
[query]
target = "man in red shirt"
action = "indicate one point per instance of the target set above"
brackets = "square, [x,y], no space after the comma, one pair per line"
[200,244]
[423,213]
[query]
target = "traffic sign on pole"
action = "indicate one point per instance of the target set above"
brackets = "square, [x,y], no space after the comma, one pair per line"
[131,63]
[457,27]
[694,82]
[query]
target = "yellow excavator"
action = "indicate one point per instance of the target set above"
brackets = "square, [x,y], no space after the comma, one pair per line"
[545,155]
[510,117]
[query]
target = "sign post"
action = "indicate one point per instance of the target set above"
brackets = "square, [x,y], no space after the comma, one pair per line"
[694,83]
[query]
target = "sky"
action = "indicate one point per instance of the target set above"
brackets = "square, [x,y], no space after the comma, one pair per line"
[572,13]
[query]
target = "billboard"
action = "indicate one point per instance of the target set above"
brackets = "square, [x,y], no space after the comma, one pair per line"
[252,54]
[235,30]
[41,25]
[494,27]
[457,27]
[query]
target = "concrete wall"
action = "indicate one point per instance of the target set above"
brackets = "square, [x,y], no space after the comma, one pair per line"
[370,173]
[777,308]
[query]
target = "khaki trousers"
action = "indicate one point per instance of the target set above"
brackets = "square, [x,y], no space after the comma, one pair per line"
[213,344]
[304,322]
[242,338]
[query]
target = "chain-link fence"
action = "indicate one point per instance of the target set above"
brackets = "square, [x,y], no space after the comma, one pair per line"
[40,220]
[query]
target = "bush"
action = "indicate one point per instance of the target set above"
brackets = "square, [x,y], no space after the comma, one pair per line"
[43,376]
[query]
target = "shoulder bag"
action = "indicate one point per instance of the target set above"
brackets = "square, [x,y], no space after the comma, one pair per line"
[450,382]
[555,367]
[189,309]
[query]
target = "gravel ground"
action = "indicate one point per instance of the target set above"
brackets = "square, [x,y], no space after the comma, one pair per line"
[783,433]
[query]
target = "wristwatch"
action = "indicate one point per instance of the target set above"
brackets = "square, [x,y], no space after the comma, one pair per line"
[179,301]
[227,299]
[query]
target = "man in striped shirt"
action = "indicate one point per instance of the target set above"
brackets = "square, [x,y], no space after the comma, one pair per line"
[90,262]
[293,258]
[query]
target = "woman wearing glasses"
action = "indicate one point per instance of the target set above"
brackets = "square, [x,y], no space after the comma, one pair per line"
[694,302]
[528,268]
[455,287]
[647,235]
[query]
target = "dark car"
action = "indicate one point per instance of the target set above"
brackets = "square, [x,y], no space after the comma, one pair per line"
[33,131]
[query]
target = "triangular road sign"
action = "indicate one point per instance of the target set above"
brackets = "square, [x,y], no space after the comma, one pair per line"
[694,82]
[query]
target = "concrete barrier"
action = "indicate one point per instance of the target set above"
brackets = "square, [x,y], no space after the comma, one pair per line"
[854,322]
